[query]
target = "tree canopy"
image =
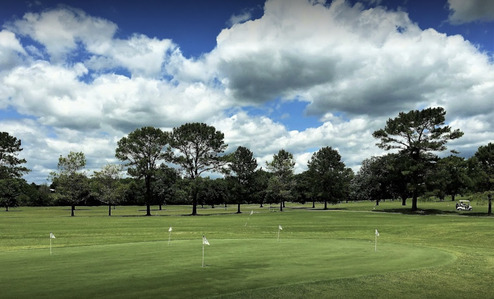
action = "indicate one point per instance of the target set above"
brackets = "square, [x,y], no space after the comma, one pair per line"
[242,167]
[143,150]
[11,169]
[280,184]
[485,158]
[10,163]
[449,177]
[196,148]
[329,175]
[370,182]
[413,170]
[72,184]
[418,134]
[107,185]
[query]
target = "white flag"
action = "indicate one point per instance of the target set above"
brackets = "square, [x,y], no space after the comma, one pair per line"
[170,229]
[377,233]
[52,236]
[204,241]
[280,228]
[251,212]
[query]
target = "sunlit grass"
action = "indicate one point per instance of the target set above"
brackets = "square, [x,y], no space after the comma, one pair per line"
[319,254]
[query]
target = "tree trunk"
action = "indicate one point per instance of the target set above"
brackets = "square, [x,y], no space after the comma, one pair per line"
[414,202]
[109,209]
[238,209]
[313,203]
[325,204]
[148,196]
[377,202]
[72,209]
[194,208]
[489,210]
[160,207]
[403,201]
[194,201]
[453,197]
[281,206]
[6,208]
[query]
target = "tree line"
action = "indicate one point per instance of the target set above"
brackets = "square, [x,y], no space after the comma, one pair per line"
[175,168]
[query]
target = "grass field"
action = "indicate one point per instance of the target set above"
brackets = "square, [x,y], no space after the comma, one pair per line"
[437,253]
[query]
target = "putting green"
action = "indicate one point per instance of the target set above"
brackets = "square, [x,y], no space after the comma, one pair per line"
[157,269]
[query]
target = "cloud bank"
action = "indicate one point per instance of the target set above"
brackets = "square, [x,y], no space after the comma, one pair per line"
[68,83]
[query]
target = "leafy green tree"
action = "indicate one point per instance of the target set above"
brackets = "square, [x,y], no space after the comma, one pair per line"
[397,176]
[450,177]
[11,170]
[143,151]
[329,175]
[108,186]
[182,192]
[258,189]
[382,177]
[281,183]
[242,167]
[70,179]
[196,148]
[485,158]
[135,191]
[304,189]
[10,189]
[417,134]
[213,192]
[38,195]
[164,186]
[10,163]
[372,180]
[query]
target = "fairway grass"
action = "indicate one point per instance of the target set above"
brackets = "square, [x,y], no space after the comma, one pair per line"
[156,269]
[319,254]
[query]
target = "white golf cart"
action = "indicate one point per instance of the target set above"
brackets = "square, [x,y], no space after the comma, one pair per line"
[463,205]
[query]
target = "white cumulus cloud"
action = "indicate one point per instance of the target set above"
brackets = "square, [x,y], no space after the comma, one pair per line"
[74,86]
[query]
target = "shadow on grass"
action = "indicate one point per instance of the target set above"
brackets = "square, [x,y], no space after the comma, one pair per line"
[317,209]
[168,215]
[408,211]
[11,210]
[213,214]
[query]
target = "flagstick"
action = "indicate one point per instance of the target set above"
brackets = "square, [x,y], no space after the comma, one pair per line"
[376,234]
[375,242]
[248,218]
[169,235]
[52,236]
[203,254]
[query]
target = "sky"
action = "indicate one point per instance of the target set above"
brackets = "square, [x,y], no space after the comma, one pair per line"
[297,75]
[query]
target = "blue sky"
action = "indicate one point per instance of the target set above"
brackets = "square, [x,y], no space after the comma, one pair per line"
[292,74]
